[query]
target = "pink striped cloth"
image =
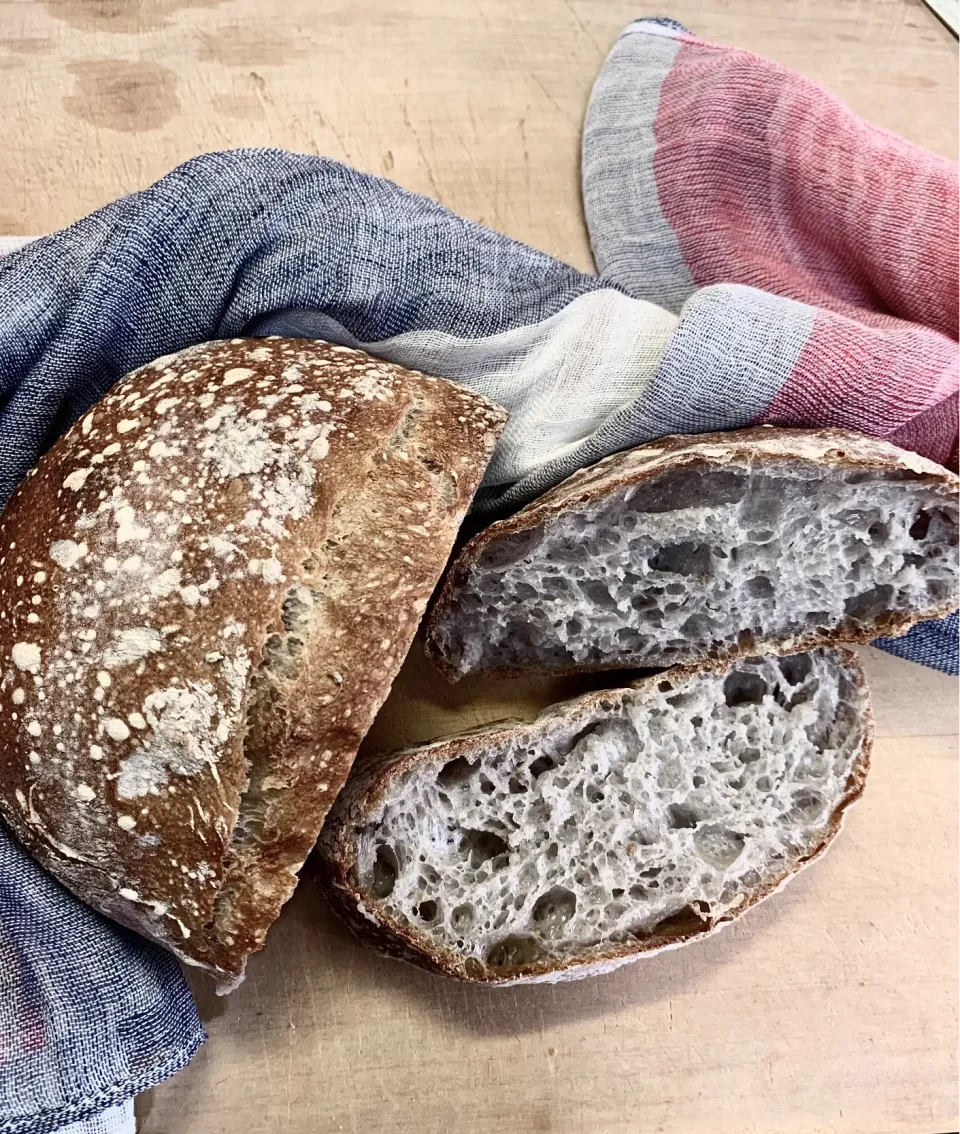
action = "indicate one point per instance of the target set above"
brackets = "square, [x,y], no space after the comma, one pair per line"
[726,168]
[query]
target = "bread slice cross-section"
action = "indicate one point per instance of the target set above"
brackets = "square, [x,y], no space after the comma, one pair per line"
[712,546]
[615,825]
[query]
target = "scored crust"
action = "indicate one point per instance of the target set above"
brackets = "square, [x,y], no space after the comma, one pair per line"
[761,445]
[374,776]
[207,587]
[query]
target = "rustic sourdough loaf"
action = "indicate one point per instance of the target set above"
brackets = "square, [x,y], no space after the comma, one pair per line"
[618,824]
[717,545]
[207,587]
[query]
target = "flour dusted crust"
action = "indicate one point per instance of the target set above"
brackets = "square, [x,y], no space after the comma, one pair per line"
[206,589]
[510,792]
[609,511]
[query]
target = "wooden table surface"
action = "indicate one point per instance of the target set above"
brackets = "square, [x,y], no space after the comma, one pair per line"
[833,1007]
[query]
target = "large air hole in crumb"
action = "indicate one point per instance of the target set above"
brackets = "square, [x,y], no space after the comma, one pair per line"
[688,920]
[386,867]
[540,765]
[456,772]
[680,700]
[629,639]
[553,910]
[763,504]
[759,587]
[950,523]
[741,688]
[513,952]
[807,806]
[920,525]
[427,911]
[795,668]
[699,627]
[688,488]
[682,559]
[680,816]
[483,846]
[866,606]
[599,593]
[718,846]
[463,917]
[570,552]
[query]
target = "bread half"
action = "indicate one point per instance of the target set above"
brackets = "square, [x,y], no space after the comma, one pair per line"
[712,546]
[615,825]
[207,587]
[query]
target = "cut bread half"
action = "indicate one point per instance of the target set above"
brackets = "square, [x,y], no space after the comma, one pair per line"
[712,546]
[615,825]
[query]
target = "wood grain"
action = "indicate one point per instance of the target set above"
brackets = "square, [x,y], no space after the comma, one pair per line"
[475,102]
[833,1007]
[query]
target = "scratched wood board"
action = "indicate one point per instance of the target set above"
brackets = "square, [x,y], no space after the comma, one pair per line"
[831,1008]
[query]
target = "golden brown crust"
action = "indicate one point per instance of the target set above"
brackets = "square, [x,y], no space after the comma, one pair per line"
[145,564]
[369,787]
[831,448]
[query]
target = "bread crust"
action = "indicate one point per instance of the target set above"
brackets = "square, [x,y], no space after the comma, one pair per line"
[369,787]
[762,445]
[146,573]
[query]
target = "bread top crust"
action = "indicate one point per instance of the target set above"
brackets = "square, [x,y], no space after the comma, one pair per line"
[143,565]
[759,445]
[373,783]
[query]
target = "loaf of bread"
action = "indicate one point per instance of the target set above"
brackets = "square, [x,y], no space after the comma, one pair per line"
[615,825]
[712,546]
[206,589]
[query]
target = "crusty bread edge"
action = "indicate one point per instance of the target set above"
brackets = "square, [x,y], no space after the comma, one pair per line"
[335,859]
[453,429]
[684,451]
